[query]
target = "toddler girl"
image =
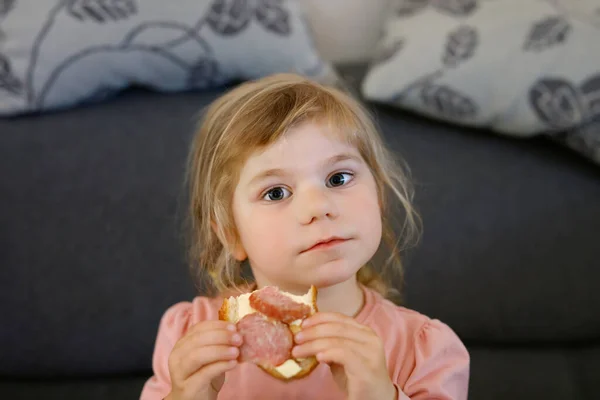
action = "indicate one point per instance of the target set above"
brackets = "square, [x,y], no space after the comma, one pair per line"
[291,179]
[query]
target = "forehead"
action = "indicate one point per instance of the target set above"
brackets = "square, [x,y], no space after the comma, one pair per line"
[304,146]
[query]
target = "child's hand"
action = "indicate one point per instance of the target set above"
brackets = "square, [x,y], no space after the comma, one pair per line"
[200,359]
[354,351]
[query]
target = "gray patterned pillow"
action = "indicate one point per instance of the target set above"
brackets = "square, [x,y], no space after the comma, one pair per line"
[56,54]
[517,67]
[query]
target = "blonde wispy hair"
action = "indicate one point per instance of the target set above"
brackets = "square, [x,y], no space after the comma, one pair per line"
[254,115]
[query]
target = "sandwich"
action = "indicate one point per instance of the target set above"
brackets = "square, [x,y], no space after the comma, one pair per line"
[267,320]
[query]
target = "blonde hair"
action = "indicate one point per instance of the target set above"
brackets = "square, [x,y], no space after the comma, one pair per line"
[254,115]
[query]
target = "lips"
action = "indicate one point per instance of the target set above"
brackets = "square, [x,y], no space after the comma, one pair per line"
[326,243]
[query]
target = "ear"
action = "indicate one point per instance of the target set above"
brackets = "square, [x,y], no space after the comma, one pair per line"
[233,245]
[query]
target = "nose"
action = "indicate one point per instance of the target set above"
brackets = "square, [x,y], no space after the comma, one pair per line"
[315,203]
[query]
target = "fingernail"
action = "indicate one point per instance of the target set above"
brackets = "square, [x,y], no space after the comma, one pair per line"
[231,327]
[299,336]
[236,338]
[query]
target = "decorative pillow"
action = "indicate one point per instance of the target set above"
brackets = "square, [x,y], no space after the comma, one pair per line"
[56,54]
[517,67]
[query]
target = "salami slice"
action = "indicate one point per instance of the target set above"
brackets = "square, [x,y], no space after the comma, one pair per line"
[266,342]
[276,305]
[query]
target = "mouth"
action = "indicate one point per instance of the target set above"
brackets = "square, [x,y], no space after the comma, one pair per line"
[326,244]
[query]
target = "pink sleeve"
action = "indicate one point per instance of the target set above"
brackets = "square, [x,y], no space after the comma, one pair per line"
[173,325]
[441,369]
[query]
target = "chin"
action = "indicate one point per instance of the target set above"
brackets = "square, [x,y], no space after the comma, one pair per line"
[333,273]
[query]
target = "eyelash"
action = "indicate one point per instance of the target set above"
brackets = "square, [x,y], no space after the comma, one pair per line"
[266,193]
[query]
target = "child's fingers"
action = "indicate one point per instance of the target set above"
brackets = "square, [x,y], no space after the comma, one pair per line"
[184,365]
[202,379]
[355,365]
[206,334]
[209,338]
[352,362]
[210,372]
[333,330]
[336,355]
[325,317]
[317,346]
[212,325]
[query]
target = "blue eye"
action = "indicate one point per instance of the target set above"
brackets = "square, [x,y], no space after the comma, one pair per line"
[276,194]
[340,179]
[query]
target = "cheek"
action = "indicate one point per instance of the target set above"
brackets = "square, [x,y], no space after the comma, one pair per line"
[367,211]
[263,233]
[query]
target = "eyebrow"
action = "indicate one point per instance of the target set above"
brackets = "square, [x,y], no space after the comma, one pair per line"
[281,172]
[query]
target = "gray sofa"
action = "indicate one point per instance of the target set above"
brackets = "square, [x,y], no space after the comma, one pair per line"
[92,256]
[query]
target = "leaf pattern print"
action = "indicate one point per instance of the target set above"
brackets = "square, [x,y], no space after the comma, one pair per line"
[386,52]
[456,8]
[101,11]
[8,81]
[460,46]
[547,32]
[203,74]
[448,102]
[408,8]
[272,15]
[590,90]
[5,7]
[557,103]
[229,17]
[584,139]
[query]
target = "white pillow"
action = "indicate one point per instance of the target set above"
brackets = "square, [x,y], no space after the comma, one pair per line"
[519,67]
[56,54]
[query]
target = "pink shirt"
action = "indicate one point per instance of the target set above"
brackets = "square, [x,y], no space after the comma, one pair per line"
[425,358]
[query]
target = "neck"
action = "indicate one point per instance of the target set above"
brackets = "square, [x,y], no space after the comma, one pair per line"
[346,298]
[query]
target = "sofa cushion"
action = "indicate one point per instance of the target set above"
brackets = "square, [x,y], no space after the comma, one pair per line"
[91,253]
[505,65]
[91,388]
[58,54]
[534,372]
[509,247]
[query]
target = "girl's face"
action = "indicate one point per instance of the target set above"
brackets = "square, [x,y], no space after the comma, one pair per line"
[306,188]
